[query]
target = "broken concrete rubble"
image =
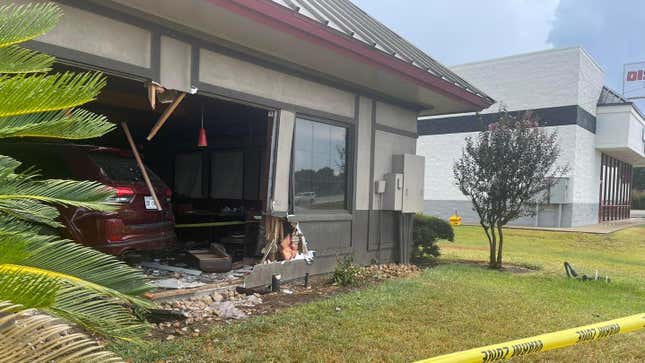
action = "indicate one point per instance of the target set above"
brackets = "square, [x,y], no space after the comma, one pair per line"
[164,267]
[227,310]
[218,305]
[174,283]
[186,279]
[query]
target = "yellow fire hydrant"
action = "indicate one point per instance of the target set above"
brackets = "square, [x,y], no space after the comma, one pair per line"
[455,219]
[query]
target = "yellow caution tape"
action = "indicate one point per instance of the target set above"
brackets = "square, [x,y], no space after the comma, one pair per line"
[542,343]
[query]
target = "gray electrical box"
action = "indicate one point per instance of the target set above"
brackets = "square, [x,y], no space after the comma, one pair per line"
[412,167]
[393,196]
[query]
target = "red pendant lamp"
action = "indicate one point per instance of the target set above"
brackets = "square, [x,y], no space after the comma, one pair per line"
[201,139]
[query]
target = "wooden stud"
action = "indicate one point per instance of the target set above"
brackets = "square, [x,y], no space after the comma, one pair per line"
[164,117]
[142,167]
[152,95]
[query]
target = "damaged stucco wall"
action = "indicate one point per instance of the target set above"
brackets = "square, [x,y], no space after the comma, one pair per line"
[378,128]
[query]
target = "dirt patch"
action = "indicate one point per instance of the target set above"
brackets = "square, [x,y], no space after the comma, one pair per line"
[459,247]
[507,267]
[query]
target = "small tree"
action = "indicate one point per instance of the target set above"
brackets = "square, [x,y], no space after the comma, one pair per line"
[504,170]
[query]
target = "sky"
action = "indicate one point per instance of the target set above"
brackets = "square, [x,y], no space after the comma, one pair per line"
[460,31]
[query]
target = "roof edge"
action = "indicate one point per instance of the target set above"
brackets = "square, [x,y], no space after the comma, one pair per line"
[283,19]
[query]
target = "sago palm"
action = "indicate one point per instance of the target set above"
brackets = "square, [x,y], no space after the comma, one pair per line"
[58,277]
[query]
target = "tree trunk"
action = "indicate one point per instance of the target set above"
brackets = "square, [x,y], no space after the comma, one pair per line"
[491,246]
[492,263]
[500,247]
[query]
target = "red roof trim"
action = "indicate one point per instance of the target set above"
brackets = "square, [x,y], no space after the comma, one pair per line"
[278,17]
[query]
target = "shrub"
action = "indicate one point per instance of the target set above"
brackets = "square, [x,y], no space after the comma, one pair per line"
[427,230]
[346,272]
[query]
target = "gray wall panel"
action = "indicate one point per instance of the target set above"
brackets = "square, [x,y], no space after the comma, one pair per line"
[175,64]
[363,149]
[328,238]
[286,122]
[98,35]
[584,214]
[389,227]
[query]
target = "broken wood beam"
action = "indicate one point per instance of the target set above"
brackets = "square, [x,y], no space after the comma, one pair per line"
[142,167]
[166,114]
[152,95]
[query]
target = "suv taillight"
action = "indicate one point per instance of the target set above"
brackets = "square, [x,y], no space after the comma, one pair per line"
[123,195]
[113,229]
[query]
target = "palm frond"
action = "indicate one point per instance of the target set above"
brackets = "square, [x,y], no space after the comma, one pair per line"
[85,263]
[32,211]
[74,125]
[19,191]
[28,336]
[51,292]
[16,60]
[79,265]
[24,94]
[20,23]
[8,166]
[84,194]
[75,281]
[28,290]
[12,225]
[95,313]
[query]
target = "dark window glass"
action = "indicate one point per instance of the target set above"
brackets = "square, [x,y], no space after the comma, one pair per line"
[320,166]
[47,162]
[121,169]
[188,175]
[227,174]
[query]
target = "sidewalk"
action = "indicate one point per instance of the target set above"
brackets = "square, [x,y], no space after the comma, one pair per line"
[638,213]
[638,218]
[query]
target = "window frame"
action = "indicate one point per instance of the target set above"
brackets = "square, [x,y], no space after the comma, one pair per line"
[350,130]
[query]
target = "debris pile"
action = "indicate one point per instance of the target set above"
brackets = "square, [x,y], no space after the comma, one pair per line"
[235,303]
[172,277]
[387,271]
[217,306]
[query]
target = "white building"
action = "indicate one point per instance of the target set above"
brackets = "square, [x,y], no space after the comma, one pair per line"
[601,136]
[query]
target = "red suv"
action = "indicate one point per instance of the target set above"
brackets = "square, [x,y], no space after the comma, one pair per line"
[136,226]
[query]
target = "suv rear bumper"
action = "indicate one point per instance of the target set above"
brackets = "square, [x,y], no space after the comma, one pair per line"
[166,241]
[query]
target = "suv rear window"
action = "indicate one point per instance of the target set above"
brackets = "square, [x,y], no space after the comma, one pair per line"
[121,169]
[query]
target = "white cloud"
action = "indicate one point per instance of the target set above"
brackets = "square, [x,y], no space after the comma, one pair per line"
[460,31]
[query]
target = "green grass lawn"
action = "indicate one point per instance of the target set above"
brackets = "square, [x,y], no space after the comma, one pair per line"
[448,308]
